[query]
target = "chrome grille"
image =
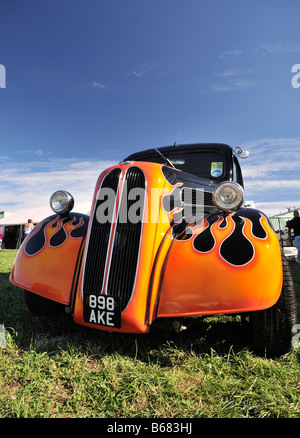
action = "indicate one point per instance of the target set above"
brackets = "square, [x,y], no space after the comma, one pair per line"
[126,244]
[208,199]
[192,196]
[196,202]
[99,238]
[114,272]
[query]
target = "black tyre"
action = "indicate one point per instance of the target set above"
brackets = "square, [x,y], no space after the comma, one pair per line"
[270,330]
[40,306]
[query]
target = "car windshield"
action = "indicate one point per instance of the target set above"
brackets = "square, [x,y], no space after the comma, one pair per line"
[206,164]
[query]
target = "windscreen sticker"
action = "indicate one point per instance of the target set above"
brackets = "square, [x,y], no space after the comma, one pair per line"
[216,168]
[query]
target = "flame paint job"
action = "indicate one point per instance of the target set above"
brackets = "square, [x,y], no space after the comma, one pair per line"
[46,260]
[221,264]
[231,265]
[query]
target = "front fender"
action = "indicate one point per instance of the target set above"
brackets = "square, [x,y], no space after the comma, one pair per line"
[46,261]
[226,264]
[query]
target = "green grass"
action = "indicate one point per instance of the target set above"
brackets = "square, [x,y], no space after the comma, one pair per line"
[53,368]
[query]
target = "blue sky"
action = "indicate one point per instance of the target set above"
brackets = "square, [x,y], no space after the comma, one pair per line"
[88,83]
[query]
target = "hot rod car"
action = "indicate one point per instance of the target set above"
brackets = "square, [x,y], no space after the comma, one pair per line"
[168,237]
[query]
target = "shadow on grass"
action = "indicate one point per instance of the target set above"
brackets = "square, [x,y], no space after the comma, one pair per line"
[56,333]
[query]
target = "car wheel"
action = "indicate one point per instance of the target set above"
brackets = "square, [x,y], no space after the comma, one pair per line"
[270,330]
[40,306]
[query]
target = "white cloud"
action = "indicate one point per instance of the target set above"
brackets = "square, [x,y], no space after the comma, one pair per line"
[228,80]
[135,73]
[142,70]
[4,158]
[277,207]
[261,185]
[279,48]
[98,85]
[31,184]
[272,155]
[232,85]
[263,49]
[236,52]
[37,152]
[271,173]
[226,73]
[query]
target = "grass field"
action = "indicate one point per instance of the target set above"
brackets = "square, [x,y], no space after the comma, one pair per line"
[51,368]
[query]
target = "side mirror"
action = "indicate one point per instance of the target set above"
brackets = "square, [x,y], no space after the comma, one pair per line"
[241,153]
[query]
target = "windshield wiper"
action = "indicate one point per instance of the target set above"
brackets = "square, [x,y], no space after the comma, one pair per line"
[164,158]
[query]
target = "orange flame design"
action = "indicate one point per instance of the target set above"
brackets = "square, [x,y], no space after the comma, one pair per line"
[52,233]
[206,282]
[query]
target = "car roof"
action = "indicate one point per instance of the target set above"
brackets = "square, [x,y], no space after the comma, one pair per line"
[180,149]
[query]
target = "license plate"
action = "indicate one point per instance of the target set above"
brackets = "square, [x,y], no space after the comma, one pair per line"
[102,310]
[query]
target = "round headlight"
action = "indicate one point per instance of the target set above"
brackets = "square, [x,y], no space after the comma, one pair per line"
[61,202]
[228,196]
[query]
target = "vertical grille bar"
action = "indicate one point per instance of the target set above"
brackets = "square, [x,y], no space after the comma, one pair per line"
[127,237]
[100,232]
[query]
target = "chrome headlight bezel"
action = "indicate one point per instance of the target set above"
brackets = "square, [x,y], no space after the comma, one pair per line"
[61,202]
[228,196]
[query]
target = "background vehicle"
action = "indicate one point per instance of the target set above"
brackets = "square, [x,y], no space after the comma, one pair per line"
[167,238]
